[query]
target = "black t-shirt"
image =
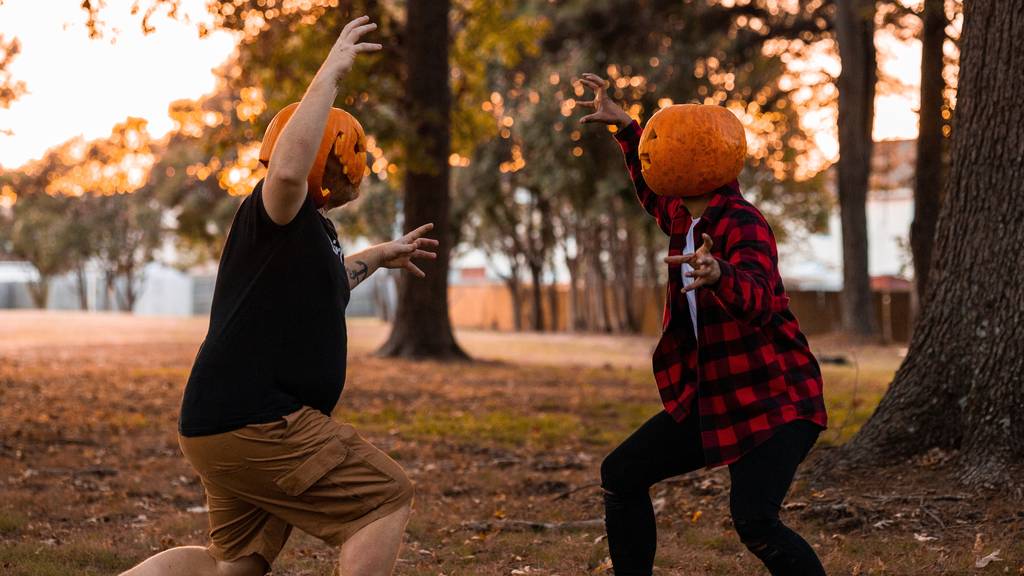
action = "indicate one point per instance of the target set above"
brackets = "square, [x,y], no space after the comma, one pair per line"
[277,338]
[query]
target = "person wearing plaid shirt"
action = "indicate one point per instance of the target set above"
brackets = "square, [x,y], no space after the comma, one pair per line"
[738,382]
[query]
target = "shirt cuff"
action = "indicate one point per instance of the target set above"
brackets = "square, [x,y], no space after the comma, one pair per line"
[726,281]
[630,132]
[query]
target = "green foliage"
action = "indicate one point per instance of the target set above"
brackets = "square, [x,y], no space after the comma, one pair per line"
[93,559]
[73,205]
[513,123]
[37,224]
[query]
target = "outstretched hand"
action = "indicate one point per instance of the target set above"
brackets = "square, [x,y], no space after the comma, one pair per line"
[605,110]
[401,252]
[706,270]
[345,49]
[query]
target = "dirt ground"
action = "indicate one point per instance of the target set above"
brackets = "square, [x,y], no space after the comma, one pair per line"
[504,452]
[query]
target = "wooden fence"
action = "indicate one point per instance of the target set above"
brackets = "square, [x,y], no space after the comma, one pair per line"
[488,306]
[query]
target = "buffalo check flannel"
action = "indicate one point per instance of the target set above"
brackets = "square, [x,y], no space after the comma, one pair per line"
[750,370]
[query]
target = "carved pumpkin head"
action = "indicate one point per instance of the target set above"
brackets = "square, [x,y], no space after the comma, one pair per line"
[691,149]
[343,138]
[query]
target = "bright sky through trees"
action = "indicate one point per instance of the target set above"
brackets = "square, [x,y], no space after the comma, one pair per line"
[78,86]
[82,86]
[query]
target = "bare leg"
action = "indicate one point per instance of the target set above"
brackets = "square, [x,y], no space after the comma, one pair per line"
[196,561]
[373,550]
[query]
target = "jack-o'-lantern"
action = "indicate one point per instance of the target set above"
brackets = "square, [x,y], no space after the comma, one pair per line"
[691,149]
[343,137]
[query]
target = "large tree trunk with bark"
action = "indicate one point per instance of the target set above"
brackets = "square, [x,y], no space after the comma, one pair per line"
[961,386]
[855,35]
[422,327]
[930,169]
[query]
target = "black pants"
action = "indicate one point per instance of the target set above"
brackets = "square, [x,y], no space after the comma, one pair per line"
[663,448]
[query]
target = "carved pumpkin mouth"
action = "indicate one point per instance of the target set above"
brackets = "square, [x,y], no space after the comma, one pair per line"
[645,160]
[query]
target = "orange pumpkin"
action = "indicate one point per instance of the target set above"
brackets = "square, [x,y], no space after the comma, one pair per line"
[691,149]
[343,137]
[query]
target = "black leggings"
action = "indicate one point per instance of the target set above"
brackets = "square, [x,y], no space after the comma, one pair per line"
[663,448]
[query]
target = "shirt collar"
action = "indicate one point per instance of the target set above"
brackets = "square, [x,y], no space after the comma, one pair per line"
[719,201]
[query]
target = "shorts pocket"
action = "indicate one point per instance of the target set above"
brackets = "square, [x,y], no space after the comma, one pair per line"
[305,475]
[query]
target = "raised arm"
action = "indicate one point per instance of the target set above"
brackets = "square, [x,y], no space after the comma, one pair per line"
[395,254]
[628,136]
[285,188]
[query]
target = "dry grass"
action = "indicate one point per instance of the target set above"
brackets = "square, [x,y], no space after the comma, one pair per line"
[92,479]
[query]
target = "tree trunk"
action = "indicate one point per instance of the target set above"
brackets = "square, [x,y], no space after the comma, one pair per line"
[536,297]
[855,35]
[575,318]
[82,287]
[515,291]
[422,327]
[40,291]
[554,307]
[132,284]
[629,280]
[598,285]
[929,172]
[960,386]
[380,296]
[651,250]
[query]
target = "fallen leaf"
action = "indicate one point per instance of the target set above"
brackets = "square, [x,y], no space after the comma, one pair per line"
[985,561]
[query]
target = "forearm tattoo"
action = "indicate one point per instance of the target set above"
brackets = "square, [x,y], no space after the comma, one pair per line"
[358,272]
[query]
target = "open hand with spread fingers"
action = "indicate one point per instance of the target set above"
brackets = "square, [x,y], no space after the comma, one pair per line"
[706,270]
[343,53]
[605,110]
[401,252]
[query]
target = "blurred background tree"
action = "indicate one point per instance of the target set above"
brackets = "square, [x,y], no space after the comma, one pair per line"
[10,89]
[527,185]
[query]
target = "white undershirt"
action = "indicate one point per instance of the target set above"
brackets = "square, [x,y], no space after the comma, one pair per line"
[691,296]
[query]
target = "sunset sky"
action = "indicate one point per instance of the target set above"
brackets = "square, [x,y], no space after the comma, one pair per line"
[81,86]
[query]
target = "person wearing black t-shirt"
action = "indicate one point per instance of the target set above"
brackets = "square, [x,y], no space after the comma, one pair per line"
[255,416]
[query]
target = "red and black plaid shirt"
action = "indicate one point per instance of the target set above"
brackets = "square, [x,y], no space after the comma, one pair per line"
[750,368]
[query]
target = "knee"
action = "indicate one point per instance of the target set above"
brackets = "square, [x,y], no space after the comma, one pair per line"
[755,533]
[615,479]
[252,565]
[611,480]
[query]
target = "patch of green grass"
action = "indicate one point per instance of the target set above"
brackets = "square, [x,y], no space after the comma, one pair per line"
[851,396]
[502,427]
[607,423]
[11,522]
[603,423]
[20,559]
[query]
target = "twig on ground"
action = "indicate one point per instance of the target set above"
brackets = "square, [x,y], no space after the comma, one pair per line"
[532,526]
[580,488]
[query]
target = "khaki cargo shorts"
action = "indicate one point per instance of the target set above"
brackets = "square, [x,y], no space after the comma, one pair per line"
[305,470]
